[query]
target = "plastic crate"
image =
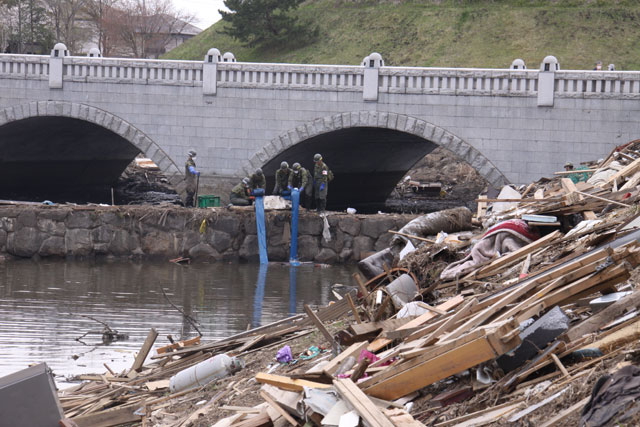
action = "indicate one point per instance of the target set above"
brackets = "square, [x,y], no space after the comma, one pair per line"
[208,201]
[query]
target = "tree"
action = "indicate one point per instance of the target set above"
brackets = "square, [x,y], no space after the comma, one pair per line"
[28,27]
[263,22]
[104,16]
[146,26]
[64,15]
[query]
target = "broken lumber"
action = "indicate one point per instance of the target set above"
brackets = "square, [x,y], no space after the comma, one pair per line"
[287,383]
[361,403]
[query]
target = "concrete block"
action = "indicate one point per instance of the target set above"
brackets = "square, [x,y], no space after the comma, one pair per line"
[535,338]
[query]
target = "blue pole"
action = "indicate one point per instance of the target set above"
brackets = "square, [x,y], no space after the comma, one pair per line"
[295,203]
[262,234]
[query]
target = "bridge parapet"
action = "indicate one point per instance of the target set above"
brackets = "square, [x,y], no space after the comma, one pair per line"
[391,80]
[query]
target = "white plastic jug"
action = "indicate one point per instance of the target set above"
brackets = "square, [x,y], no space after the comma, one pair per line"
[219,366]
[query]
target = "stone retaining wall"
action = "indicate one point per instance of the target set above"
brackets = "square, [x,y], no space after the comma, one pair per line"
[219,234]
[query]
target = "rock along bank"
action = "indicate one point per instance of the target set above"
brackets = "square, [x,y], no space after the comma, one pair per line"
[212,234]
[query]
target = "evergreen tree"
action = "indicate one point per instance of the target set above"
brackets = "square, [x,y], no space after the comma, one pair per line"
[263,22]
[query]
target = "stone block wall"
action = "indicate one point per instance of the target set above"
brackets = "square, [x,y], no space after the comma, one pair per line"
[146,232]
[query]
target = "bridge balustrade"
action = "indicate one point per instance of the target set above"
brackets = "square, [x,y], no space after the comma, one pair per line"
[392,80]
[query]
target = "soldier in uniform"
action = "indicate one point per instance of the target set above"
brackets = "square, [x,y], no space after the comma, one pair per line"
[257,180]
[190,174]
[240,194]
[321,177]
[282,180]
[299,178]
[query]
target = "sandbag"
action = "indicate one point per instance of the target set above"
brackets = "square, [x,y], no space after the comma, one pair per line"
[448,220]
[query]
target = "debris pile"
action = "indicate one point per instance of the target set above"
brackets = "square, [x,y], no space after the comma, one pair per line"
[514,322]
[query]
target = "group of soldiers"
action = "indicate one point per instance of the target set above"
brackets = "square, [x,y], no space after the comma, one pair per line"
[287,179]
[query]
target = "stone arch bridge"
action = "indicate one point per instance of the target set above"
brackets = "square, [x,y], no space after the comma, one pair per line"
[78,121]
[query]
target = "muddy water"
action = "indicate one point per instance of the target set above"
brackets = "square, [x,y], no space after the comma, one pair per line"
[46,306]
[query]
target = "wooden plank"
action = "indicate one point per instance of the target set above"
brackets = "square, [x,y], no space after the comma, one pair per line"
[144,351]
[482,206]
[108,418]
[451,321]
[515,256]
[353,350]
[617,339]
[334,345]
[630,169]
[418,321]
[559,365]
[361,285]
[359,401]
[353,308]
[596,321]
[287,383]
[602,199]
[435,369]
[566,413]
[411,236]
[179,344]
[278,408]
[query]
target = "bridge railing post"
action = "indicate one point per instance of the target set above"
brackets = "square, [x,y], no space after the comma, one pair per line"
[56,65]
[547,81]
[371,64]
[210,72]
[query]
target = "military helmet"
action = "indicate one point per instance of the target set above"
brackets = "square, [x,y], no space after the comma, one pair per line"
[284,165]
[296,166]
[317,157]
[192,153]
[246,180]
[259,171]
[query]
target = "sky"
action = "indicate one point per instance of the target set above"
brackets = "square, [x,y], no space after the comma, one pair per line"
[205,11]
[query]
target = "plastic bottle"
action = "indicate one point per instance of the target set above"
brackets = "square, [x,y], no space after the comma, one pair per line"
[218,366]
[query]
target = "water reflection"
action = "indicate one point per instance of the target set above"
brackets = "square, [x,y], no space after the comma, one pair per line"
[259,296]
[42,305]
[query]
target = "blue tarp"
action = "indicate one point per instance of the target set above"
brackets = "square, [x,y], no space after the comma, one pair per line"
[262,234]
[295,202]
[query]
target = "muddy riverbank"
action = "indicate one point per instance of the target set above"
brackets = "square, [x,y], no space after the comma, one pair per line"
[168,232]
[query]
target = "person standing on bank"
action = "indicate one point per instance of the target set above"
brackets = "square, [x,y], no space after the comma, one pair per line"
[282,180]
[190,174]
[299,178]
[321,177]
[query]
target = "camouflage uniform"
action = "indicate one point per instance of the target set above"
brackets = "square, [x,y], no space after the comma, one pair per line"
[239,196]
[257,181]
[282,180]
[321,175]
[301,180]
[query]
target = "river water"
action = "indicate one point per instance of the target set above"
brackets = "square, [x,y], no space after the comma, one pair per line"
[46,306]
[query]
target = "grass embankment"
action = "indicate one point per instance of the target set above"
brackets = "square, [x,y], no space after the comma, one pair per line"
[450,33]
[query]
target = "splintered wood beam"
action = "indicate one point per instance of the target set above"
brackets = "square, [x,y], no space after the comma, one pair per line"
[361,403]
[286,383]
[437,368]
[316,321]
[144,351]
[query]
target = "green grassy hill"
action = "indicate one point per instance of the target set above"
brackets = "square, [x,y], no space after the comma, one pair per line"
[449,33]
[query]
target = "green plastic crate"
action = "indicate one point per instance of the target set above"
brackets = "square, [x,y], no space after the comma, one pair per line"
[208,201]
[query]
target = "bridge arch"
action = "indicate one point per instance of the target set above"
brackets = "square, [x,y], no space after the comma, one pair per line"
[35,119]
[416,136]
